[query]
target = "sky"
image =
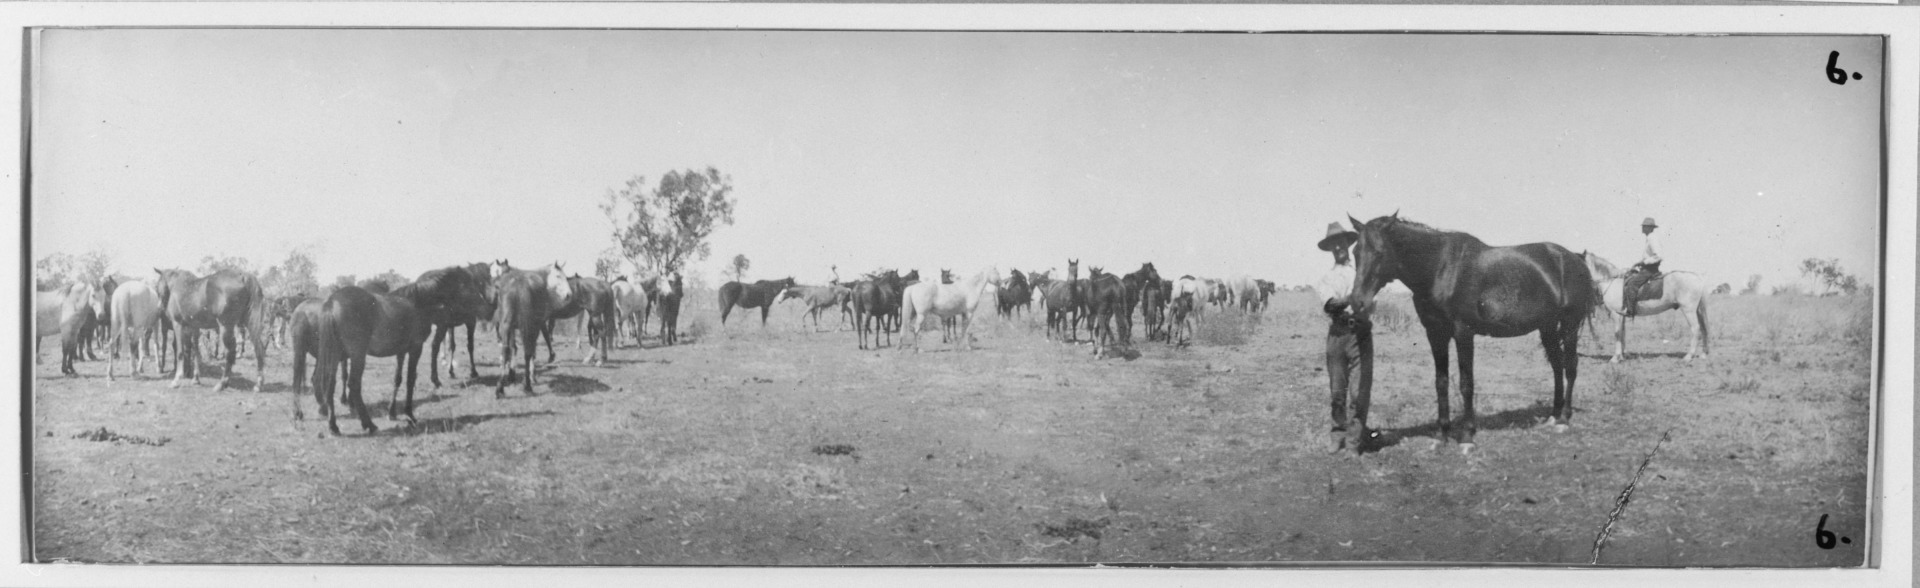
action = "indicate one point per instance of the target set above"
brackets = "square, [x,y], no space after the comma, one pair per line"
[1212,154]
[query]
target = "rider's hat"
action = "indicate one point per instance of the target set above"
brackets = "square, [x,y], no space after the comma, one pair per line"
[1649,223]
[1337,236]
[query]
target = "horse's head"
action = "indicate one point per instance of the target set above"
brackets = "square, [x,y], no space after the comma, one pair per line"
[1073,269]
[1376,260]
[912,276]
[499,268]
[1096,272]
[1601,269]
[946,276]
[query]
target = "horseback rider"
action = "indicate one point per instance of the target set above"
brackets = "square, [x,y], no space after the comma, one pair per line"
[1349,342]
[1646,270]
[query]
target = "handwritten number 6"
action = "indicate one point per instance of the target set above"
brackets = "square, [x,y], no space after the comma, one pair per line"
[1821,536]
[1838,76]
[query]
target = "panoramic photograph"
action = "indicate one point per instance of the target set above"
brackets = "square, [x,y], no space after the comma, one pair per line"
[798,298]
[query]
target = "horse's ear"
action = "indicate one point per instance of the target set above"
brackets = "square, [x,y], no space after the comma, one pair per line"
[1355,222]
[1396,214]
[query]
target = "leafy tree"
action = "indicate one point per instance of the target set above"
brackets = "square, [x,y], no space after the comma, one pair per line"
[59,269]
[54,270]
[344,281]
[1829,274]
[392,278]
[1753,285]
[292,277]
[739,267]
[666,226]
[1723,288]
[210,265]
[607,266]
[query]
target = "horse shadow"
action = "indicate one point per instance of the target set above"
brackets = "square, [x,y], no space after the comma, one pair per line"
[1638,355]
[438,425]
[571,385]
[1519,418]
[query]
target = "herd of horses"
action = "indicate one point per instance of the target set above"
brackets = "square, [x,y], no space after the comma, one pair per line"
[170,310]
[1460,287]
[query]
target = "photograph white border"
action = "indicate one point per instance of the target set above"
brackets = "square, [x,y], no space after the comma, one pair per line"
[1892,518]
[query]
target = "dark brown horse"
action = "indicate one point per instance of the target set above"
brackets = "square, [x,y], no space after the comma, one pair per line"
[1107,307]
[1016,295]
[521,301]
[1144,291]
[356,324]
[875,299]
[667,303]
[452,297]
[759,295]
[1463,287]
[303,338]
[1065,301]
[224,301]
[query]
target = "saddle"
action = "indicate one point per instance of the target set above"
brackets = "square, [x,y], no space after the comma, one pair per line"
[1651,287]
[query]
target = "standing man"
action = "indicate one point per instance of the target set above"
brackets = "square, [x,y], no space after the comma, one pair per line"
[1349,344]
[1647,269]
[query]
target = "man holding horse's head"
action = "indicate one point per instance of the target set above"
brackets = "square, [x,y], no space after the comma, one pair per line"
[1647,269]
[1349,343]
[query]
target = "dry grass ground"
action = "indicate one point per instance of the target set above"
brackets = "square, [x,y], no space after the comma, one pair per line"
[781,445]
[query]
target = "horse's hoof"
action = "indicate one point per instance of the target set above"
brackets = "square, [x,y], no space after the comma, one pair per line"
[1466,448]
[1336,442]
[1561,428]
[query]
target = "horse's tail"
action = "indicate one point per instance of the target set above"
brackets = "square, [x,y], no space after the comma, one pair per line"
[330,353]
[257,318]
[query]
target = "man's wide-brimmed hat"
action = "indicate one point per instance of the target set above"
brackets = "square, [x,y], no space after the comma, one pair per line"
[1337,236]
[1649,223]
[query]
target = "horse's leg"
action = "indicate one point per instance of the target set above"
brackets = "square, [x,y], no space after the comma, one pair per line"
[255,334]
[325,376]
[357,370]
[393,398]
[764,310]
[473,368]
[1551,341]
[183,356]
[505,335]
[113,352]
[433,356]
[526,383]
[1463,343]
[413,370]
[1439,340]
[228,343]
[1694,328]
[1570,361]
[545,331]
[1620,339]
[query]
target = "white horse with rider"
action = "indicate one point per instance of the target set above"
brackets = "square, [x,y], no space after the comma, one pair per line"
[1686,291]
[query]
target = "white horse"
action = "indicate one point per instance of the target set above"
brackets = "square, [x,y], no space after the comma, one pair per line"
[633,300]
[1184,307]
[1686,291]
[135,316]
[925,299]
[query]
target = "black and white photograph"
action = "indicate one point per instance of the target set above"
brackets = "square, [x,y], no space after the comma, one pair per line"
[858,295]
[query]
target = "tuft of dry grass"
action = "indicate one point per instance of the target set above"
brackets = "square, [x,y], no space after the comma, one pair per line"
[1394,314]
